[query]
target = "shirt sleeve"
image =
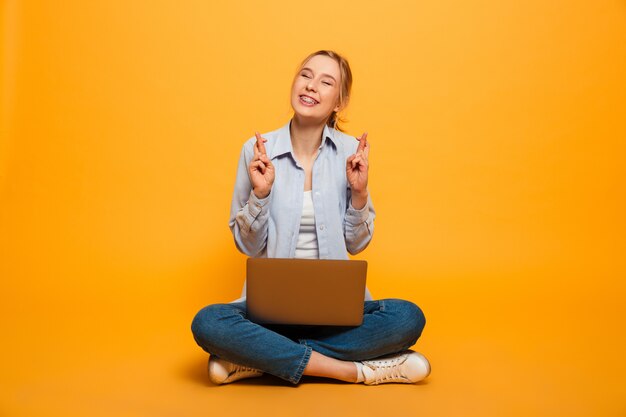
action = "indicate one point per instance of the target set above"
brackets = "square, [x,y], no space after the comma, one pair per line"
[248,214]
[358,225]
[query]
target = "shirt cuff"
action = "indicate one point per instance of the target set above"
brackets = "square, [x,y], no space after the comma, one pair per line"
[358,216]
[255,204]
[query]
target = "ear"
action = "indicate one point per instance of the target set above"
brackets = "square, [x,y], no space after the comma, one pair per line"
[339,106]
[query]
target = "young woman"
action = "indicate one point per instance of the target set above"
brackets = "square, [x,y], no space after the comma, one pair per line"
[301,191]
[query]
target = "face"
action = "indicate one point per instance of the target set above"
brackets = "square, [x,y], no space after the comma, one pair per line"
[315,90]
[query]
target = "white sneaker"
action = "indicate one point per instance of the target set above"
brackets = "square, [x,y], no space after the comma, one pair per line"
[223,372]
[406,367]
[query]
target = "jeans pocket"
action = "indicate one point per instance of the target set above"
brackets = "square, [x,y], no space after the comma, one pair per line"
[371,306]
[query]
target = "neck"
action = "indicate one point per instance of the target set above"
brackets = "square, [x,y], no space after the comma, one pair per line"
[305,138]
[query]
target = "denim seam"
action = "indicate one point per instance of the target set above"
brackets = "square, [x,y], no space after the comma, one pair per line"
[305,359]
[382,305]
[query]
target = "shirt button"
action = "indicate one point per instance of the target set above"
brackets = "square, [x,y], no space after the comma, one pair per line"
[322,227]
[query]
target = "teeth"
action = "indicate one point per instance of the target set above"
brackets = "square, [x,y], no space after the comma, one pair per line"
[307,99]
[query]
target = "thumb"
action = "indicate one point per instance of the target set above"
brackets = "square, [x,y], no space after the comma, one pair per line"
[349,162]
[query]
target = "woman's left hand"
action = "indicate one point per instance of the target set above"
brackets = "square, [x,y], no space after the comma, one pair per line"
[357,166]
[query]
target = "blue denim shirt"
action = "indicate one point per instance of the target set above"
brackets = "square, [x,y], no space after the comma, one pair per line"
[269,227]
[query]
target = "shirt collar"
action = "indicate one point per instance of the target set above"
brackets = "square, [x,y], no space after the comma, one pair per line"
[283,140]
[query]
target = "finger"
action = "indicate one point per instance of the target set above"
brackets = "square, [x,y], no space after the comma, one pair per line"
[256,151]
[349,161]
[259,166]
[260,142]
[362,157]
[366,149]
[360,163]
[266,161]
[362,142]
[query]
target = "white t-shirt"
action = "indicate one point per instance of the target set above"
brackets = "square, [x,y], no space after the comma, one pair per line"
[306,248]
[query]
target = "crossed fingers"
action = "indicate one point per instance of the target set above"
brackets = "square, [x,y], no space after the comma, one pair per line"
[362,152]
[259,145]
[260,160]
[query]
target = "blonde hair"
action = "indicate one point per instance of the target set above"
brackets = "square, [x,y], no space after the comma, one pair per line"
[345,84]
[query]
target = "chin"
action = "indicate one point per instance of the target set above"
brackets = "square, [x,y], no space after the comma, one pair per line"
[309,118]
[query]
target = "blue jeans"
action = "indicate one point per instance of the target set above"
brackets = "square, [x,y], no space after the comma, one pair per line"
[389,326]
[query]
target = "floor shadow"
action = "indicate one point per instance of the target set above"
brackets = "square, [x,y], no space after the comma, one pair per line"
[196,370]
[266,380]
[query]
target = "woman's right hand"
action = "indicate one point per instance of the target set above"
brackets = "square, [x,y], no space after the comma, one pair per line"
[261,169]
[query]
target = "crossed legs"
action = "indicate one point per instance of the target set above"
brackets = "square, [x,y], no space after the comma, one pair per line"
[288,352]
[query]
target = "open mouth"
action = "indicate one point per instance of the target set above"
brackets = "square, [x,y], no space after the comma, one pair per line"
[308,101]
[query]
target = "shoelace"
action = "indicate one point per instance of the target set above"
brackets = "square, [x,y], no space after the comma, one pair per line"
[387,369]
[242,369]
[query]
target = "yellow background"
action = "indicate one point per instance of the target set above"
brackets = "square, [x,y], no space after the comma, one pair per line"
[498,133]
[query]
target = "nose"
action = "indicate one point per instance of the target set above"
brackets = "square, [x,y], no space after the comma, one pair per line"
[310,86]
